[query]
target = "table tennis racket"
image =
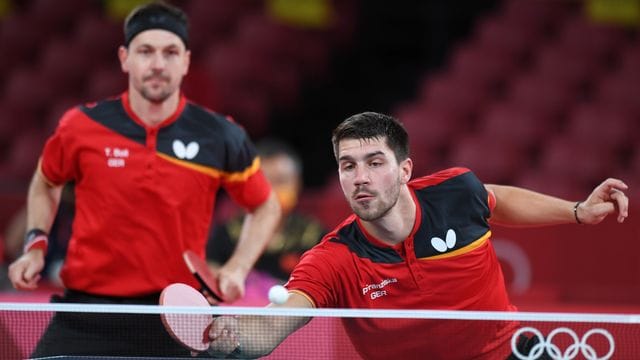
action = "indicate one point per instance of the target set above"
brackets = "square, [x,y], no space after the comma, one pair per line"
[191,330]
[199,268]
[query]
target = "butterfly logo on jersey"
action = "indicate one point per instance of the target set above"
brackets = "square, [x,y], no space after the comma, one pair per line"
[444,245]
[183,151]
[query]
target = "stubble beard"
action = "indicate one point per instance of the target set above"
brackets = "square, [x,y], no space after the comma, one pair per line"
[157,94]
[371,212]
[156,98]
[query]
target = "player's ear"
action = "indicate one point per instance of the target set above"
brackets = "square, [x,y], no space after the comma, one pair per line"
[123,55]
[406,170]
[187,62]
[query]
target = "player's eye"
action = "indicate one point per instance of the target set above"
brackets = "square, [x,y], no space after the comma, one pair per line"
[347,166]
[171,52]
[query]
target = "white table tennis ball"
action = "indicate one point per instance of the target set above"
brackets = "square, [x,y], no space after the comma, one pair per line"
[278,294]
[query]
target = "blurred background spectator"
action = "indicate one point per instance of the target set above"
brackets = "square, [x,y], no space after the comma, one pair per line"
[547,89]
[296,233]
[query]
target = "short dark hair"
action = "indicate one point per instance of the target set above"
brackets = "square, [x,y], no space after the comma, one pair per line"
[271,147]
[372,125]
[156,15]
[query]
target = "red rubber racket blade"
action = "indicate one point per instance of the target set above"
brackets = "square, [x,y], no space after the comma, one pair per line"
[191,330]
[205,277]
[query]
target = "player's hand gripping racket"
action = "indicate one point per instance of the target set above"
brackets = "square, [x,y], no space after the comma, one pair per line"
[191,330]
[208,281]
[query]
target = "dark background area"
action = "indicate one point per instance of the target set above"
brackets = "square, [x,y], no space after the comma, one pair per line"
[394,48]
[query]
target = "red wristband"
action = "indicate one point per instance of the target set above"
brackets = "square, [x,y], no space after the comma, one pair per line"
[36,239]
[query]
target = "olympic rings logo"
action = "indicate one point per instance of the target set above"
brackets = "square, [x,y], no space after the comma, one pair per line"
[579,345]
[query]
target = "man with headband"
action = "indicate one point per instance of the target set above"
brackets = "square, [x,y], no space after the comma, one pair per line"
[147,166]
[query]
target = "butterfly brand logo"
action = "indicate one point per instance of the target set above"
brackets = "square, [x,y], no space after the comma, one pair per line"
[183,151]
[444,245]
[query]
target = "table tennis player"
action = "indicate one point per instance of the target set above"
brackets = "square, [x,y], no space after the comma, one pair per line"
[147,165]
[422,243]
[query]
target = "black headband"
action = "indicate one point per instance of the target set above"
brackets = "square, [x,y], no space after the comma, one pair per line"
[139,24]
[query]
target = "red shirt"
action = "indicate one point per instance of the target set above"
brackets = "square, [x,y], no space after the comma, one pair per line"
[143,194]
[446,263]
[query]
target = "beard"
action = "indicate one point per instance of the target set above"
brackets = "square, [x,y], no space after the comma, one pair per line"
[378,207]
[155,97]
[157,94]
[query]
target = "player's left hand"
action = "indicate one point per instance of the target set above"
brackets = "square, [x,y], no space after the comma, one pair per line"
[607,198]
[231,282]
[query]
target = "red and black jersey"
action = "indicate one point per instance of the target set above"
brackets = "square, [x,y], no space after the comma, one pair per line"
[446,263]
[145,194]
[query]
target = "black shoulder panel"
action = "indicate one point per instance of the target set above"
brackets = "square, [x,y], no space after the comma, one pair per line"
[112,115]
[355,240]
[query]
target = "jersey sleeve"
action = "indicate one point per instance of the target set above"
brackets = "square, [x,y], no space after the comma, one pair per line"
[57,162]
[315,278]
[246,183]
[481,199]
[249,192]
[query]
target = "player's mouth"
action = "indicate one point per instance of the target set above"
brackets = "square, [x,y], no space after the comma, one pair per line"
[362,196]
[155,79]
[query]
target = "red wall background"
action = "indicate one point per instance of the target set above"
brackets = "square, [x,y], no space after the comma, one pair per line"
[580,266]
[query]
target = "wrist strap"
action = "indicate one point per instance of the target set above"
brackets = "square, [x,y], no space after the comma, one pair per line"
[575,212]
[36,239]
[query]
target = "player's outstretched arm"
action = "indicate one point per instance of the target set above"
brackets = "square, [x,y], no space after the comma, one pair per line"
[521,207]
[255,336]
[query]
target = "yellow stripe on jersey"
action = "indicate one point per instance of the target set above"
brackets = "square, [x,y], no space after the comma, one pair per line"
[474,245]
[213,172]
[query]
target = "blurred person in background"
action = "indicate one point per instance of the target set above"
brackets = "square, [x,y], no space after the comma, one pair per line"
[422,243]
[296,232]
[147,166]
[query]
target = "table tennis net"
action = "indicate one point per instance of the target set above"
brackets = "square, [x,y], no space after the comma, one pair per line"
[329,334]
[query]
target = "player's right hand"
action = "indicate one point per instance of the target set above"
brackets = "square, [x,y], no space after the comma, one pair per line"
[24,273]
[231,282]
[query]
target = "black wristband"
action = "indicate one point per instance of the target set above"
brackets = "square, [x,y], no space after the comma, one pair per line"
[235,354]
[575,212]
